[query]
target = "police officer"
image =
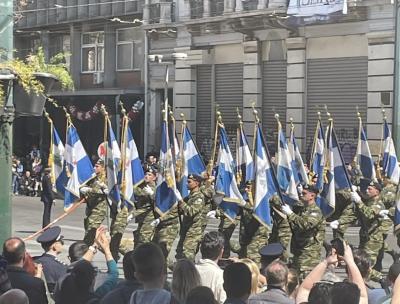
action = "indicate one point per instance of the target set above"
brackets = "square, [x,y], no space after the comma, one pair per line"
[95,193]
[144,213]
[372,215]
[47,196]
[308,229]
[52,243]
[270,253]
[194,218]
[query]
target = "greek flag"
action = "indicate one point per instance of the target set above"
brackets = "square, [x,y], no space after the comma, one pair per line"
[363,157]
[174,142]
[78,164]
[284,172]
[113,165]
[299,172]
[167,194]
[225,180]
[264,184]
[132,170]
[397,213]
[59,176]
[390,163]
[244,160]
[192,163]
[318,155]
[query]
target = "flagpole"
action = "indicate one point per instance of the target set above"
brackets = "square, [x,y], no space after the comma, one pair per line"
[125,125]
[212,157]
[314,147]
[378,165]
[238,137]
[358,151]
[256,122]
[105,113]
[184,122]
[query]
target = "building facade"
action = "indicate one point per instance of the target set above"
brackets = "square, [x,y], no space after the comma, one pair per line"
[245,54]
[106,46]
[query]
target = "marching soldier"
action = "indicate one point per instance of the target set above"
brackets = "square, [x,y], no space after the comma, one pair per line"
[344,214]
[372,215]
[194,218]
[118,225]
[281,232]
[95,193]
[308,228]
[144,213]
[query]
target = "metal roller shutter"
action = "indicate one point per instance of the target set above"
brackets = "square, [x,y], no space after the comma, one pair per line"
[204,109]
[229,93]
[274,84]
[341,84]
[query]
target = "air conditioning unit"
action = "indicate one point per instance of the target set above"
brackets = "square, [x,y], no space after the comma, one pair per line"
[98,77]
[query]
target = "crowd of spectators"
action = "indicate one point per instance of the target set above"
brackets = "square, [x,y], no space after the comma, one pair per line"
[27,173]
[205,282]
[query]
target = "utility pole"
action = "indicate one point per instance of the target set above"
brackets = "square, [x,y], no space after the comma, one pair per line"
[396,99]
[6,121]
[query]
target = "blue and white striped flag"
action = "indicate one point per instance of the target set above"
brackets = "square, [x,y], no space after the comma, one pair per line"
[132,171]
[299,172]
[244,160]
[113,165]
[318,155]
[390,162]
[167,194]
[192,163]
[78,164]
[264,184]
[363,157]
[284,172]
[59,176]
[225,181]
[397,214]
[174,142]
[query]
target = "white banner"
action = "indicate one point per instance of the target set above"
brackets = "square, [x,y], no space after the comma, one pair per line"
[308,8]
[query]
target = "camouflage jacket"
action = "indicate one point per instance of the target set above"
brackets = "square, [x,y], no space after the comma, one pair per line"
[194,204]
[368,212]
[144,200]
[308,228]
[96,193]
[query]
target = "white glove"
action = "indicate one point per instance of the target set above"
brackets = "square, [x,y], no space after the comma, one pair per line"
[155,223]
[130,217]
[354,188]
[84,190]
[335,224]
[105,191]
[286,209]
[384,213]
[212,214]
[355,197]
[300,188]
[148,190]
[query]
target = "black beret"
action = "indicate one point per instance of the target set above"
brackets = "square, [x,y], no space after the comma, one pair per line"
[195,177]
[311,188]
[100,162]
[376,185]
[50,235]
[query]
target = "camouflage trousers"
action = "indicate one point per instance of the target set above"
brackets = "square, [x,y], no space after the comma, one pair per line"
[226,227]
[259,240]
[165,235]
[94,217]
[372,246]
[118,225]
[282,234]
[305,260]
[191,233]
[144,232]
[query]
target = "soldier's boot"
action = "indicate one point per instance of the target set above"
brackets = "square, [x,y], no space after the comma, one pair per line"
[114,245]
[379,258]
[90,236]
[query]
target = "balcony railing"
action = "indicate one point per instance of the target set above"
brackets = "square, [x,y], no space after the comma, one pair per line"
[51,12]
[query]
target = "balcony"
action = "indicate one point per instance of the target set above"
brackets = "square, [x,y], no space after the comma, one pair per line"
[53,12]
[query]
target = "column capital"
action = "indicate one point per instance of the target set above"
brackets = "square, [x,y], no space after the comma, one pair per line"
[296,43]
[381,37]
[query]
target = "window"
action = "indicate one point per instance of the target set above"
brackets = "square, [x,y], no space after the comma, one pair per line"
[126,49]
[93,52]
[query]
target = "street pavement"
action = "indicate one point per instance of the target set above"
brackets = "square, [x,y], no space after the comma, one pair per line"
[27,219]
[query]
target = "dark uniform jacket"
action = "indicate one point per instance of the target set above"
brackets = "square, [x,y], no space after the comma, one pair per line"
[47,190]
[33,287]
[53,269]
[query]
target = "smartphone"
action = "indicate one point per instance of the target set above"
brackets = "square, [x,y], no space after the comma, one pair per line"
[338,245]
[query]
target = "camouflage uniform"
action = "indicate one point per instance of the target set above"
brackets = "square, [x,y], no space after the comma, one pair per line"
[226,227]
[259,239]
[144,214]
[281,232]
[308,228]
[344,212]
[167,231]
[118,225]
[96,208]
[193,223]
[372,230]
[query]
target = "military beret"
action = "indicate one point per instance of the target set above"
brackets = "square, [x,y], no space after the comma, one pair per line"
[272,250]
[152,169]
[311,188]
[50,235]
[195,177]
[376,185]
[100,162]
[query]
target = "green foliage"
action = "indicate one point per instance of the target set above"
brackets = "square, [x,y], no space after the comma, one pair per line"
[36,63]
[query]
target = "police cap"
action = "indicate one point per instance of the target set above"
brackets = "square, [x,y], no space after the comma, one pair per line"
[195,177]
[272,250]
[376,185]
[50,235]
[311,188]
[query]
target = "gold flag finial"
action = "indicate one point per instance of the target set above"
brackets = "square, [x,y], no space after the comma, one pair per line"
[183,118]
